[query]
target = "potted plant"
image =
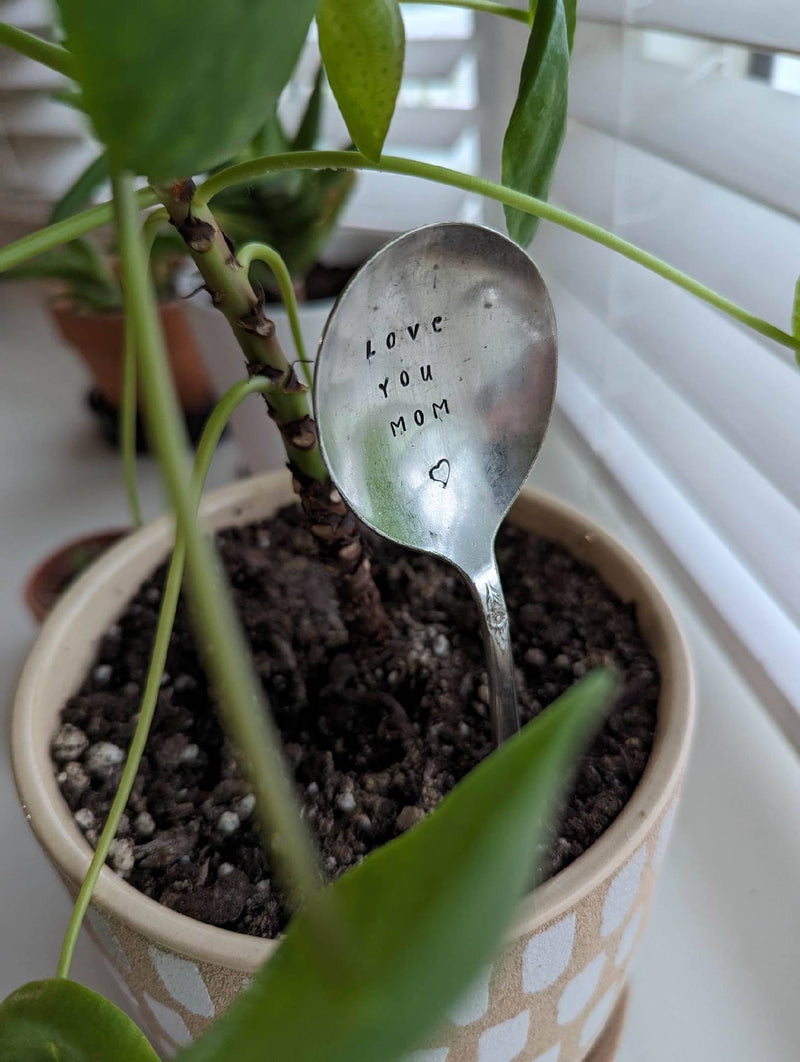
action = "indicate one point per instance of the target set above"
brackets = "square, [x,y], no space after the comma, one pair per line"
[295,214]
[561,980]
[370,964]
[86,305]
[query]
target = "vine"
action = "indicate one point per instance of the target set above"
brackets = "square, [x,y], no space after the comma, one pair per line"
[508,197]
[54,235]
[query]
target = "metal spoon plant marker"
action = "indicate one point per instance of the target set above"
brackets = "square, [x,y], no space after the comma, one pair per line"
[435,381]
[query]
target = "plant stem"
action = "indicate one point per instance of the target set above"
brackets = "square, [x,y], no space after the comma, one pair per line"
[334,527]
[232,292]
[127,424]
[166,617]
[518,14]
[61,232]
[248,171]
[262,252]
[52,55]
[129,404]
[212,432]
[242,704]
[215,426]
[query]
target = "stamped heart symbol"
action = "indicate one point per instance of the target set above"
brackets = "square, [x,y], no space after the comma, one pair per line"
[440,473]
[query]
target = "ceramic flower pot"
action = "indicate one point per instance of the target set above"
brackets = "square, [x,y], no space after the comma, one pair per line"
[551,995]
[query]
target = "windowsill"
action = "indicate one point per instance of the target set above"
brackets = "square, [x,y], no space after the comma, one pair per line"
[717,973]
[716,977]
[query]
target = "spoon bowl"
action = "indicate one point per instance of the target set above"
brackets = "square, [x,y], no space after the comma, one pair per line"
[434,385]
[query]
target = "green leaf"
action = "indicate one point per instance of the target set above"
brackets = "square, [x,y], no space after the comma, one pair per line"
[422,914]
[796,311]
[78,195]
[174,88]
[363,44]
[571,15]
[308,130]
[61,1021]
[536,130]
[70,97]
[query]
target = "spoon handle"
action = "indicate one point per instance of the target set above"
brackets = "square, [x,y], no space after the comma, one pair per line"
[497,642]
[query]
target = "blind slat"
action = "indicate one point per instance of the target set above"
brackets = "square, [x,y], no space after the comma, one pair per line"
[391,203]
[430,58]
[718,368]
[46,166]
[768,24]
[433,58]
[32,113]
[746,510]
[32,15]
[766,641]
[687,115]
[19,72]
[436,40]
[733,244]
[438,127]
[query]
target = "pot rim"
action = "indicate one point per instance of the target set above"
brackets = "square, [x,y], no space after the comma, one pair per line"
[54,826]
[42,571]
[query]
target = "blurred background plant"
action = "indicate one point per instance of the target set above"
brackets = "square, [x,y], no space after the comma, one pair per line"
[295,212]
[86,303]
[84,274]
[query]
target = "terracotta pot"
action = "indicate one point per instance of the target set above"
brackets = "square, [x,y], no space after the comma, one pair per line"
[51,577]
[550,993]
[99,340]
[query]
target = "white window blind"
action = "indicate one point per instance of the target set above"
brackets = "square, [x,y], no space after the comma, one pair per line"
[684,138]
[44,145]
[770,24]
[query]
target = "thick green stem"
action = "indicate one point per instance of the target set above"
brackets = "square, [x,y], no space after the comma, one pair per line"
[129,404]
[212,432]
[262,252]
[127,424]
[243,708]
[232,293]
[331,523]
[248,171]
[52,55]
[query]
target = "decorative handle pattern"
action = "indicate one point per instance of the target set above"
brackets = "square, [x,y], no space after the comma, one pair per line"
[488,593]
